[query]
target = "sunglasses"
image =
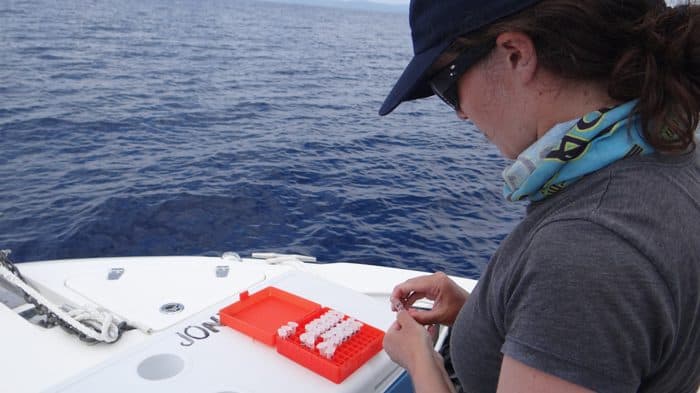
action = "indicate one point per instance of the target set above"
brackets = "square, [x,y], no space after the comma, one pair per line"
[444,82]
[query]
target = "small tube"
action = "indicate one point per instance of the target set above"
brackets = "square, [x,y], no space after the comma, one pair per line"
[284,332]
[328,351]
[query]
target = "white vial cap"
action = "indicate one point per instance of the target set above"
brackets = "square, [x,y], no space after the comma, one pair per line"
[328,351]
[307,340]
[284,332]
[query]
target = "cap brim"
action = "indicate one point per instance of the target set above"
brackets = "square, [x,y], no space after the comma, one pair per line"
[413,82]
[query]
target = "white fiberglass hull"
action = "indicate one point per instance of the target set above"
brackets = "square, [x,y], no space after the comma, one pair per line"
[187,350]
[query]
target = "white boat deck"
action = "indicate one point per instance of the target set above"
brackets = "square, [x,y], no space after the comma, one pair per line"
[224,361]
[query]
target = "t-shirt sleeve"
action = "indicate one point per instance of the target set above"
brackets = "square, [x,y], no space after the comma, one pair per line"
[586,306]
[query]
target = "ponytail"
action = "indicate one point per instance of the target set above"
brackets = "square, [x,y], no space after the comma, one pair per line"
[662,69]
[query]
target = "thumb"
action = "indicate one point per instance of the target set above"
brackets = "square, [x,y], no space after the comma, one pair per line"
[404,318]
[423,316]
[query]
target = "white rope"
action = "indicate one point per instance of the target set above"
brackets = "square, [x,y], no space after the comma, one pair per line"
[87,321]
[97,318]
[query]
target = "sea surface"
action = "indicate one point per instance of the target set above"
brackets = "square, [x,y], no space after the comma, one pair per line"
[194,127]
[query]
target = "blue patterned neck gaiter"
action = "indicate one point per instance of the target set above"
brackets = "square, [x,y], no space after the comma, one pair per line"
[572,150]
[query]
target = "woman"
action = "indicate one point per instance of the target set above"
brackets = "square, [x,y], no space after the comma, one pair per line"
[597,288]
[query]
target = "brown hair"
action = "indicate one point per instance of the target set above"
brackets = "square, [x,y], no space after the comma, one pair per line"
[641,48]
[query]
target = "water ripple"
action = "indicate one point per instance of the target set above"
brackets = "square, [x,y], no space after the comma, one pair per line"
[195,127]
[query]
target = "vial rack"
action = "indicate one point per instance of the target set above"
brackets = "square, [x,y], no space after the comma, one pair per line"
[261,315]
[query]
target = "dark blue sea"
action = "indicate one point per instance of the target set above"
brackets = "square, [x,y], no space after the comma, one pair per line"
[194,127]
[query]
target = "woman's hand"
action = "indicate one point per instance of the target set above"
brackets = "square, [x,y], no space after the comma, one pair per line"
[409,345]
[448,298]
[407,342]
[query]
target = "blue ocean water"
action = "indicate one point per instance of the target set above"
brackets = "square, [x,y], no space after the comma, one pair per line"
[174,127]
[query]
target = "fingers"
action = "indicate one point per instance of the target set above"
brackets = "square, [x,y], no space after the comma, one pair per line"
[448,298]
[403,339]
[424,316]
[412,298]
[395,326]
[413,289]
[403,317]
[402,292]
[397,304]
[415,284]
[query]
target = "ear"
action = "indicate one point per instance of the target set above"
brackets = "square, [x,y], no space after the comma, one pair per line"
[520,54]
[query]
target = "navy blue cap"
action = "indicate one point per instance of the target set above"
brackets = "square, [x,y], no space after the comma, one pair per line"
[435,24]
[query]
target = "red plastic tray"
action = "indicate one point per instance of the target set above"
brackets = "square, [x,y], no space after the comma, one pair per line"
[261,314]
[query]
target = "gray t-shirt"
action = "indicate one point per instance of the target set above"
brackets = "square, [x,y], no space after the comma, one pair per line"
[599,285]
